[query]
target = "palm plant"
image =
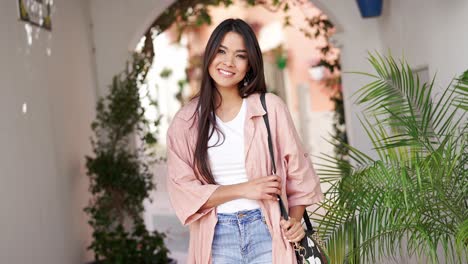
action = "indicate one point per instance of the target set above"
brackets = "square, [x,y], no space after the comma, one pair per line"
[412,200]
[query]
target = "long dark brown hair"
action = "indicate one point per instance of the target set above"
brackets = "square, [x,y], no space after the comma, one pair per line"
[208,93]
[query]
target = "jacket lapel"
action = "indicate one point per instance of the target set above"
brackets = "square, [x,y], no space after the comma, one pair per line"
[254,109]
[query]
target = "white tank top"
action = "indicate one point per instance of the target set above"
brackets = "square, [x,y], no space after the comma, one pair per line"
[227,160]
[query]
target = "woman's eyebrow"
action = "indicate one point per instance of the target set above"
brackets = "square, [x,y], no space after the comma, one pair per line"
[221,46]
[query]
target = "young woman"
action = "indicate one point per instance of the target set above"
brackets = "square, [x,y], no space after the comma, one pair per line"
[219,164]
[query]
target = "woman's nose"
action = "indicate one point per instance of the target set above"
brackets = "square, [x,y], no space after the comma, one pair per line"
[228,61]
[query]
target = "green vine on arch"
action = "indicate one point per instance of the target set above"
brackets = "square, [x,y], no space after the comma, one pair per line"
[187,13]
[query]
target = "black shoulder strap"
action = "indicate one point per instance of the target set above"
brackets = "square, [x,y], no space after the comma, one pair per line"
[284,213]
[267,124]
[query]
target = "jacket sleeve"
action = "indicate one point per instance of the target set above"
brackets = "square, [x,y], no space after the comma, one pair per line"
[186,192]
[302,183]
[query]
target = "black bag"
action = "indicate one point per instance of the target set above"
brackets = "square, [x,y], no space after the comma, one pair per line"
[310,248]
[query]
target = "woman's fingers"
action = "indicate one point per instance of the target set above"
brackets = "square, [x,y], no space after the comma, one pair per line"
[285,225]
[292,230]
[269,194]
[295,234]
[268,197]
[269,178]
[272,186]
[264,188]
[272,191]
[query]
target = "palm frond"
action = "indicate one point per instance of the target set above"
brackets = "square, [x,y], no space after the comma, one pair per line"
[415,193]
[400,101]
[462,89]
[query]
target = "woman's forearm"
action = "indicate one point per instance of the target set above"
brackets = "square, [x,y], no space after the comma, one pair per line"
[224,193]
[261,188]
[297,212]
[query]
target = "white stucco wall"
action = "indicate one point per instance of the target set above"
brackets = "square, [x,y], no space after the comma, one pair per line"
[117,27]
[42,183]
[428,33]
[356,37]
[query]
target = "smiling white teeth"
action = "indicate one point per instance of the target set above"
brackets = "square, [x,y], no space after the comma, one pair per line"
[226,73]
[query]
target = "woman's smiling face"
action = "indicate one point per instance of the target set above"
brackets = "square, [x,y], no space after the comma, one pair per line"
[230,64]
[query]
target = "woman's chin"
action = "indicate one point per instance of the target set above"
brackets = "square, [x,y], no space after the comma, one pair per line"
[226,85]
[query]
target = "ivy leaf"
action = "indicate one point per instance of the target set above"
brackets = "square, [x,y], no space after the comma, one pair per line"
[166,73]
[251,2]
[149,139]
[203,18]
[287,21]
[227,3]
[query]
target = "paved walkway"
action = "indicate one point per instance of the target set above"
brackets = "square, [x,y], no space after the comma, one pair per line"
[160,216]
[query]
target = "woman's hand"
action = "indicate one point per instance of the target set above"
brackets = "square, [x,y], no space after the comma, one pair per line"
[263,188]
[292,229]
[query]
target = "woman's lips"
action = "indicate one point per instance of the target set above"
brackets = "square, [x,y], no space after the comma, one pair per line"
[225,73]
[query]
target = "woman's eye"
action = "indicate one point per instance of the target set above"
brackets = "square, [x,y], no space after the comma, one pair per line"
[242,56]
[221,51]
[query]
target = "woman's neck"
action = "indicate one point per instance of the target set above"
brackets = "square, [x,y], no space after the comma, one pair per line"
[230,104]
[229,98]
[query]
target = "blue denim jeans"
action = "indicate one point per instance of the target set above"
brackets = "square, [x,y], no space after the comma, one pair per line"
[241,238]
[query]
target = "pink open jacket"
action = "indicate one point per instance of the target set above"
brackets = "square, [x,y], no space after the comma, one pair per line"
[301,185]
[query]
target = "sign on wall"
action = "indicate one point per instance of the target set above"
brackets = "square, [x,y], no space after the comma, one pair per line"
[36,12]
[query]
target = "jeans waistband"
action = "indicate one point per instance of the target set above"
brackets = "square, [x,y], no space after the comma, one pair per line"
[241,216]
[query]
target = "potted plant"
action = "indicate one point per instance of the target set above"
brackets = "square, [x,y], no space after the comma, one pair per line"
[119,175]
[412,199]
